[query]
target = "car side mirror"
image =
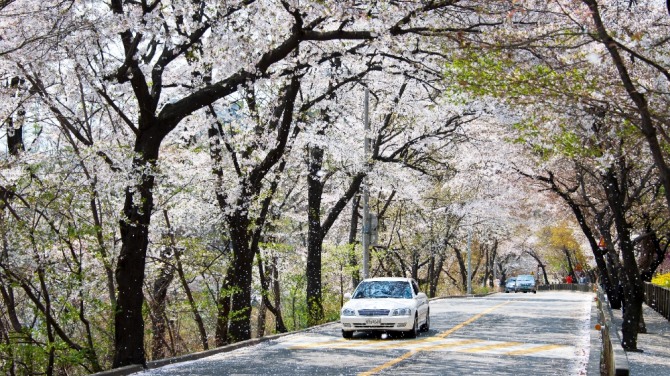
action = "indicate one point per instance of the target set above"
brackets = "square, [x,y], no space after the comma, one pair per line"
[421,296]
[347,296]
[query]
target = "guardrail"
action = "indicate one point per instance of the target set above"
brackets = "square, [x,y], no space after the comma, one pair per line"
[658,298]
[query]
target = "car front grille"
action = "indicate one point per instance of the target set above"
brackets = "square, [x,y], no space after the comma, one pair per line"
[373,312]
[382,325]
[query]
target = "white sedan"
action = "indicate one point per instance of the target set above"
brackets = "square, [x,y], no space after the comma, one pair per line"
[385,305]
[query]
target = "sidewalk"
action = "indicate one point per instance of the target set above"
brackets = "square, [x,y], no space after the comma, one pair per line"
[655,344]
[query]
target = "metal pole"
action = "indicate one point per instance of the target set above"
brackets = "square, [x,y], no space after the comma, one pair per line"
[366,199]
[469,262]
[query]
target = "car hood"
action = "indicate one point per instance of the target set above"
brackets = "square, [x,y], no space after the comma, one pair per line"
[379,303]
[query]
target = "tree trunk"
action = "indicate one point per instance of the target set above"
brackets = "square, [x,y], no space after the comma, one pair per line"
[191,302]
[317,231]
[436,270]
[652,254]
[544,273]
[242,267]
[159,346]
[353,232]
[15,123]
[314,236]
[261,319]
[134,228]
[276,289]
[633,289]
[223,313]
[463,269]
[265,287]
[571,269]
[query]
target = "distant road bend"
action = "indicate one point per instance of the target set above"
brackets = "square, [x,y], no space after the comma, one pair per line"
[502,334]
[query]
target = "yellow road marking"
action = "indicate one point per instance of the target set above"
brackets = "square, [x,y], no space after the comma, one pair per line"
[444,334]
[397,344]
[534,349]
[451,344]
[339,343]
[430,347]
[491,347]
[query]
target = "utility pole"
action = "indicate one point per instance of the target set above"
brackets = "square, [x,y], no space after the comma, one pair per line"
[366,193]
[470,262]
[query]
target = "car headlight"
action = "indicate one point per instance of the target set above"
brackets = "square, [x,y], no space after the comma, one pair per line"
[348,312]
[402,312]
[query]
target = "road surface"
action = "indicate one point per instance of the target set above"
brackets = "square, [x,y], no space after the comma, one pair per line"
[502,334]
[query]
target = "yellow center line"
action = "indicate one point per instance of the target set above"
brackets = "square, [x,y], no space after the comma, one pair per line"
[339,343]
[444,334]
[450,344]
[428,346]
[534,349]
[398,344]
[491,347]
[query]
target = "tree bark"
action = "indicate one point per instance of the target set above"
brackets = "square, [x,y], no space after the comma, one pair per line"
[314,236]
[633,289]
[15,123]
[242,266]
[159,346]
[353,234]
[261,319]
[317,231]
[223,312]
[128,320]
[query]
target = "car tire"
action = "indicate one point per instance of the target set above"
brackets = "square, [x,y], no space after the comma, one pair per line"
[426,327]
[347,334]
[535,292]
[414,332]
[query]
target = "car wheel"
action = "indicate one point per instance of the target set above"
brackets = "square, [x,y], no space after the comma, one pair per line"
[426,326]
[412,333]
[347,334]
[535,292]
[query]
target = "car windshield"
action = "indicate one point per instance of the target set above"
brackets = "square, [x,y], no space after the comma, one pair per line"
[525,278]
[383,289]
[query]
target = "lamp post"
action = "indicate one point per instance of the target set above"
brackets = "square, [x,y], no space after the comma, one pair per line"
[366,193]
[469,261]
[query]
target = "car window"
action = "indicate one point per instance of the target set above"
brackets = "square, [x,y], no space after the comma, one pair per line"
[383,289]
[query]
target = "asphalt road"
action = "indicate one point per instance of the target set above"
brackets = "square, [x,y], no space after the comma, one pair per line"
[502,334]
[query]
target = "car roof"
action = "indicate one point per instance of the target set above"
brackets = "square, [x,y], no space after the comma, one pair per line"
[526,276]
[403,279]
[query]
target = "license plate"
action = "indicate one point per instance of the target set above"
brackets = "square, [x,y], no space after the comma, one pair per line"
[373,321]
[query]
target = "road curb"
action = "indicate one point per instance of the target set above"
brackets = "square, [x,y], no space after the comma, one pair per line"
[595,351]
